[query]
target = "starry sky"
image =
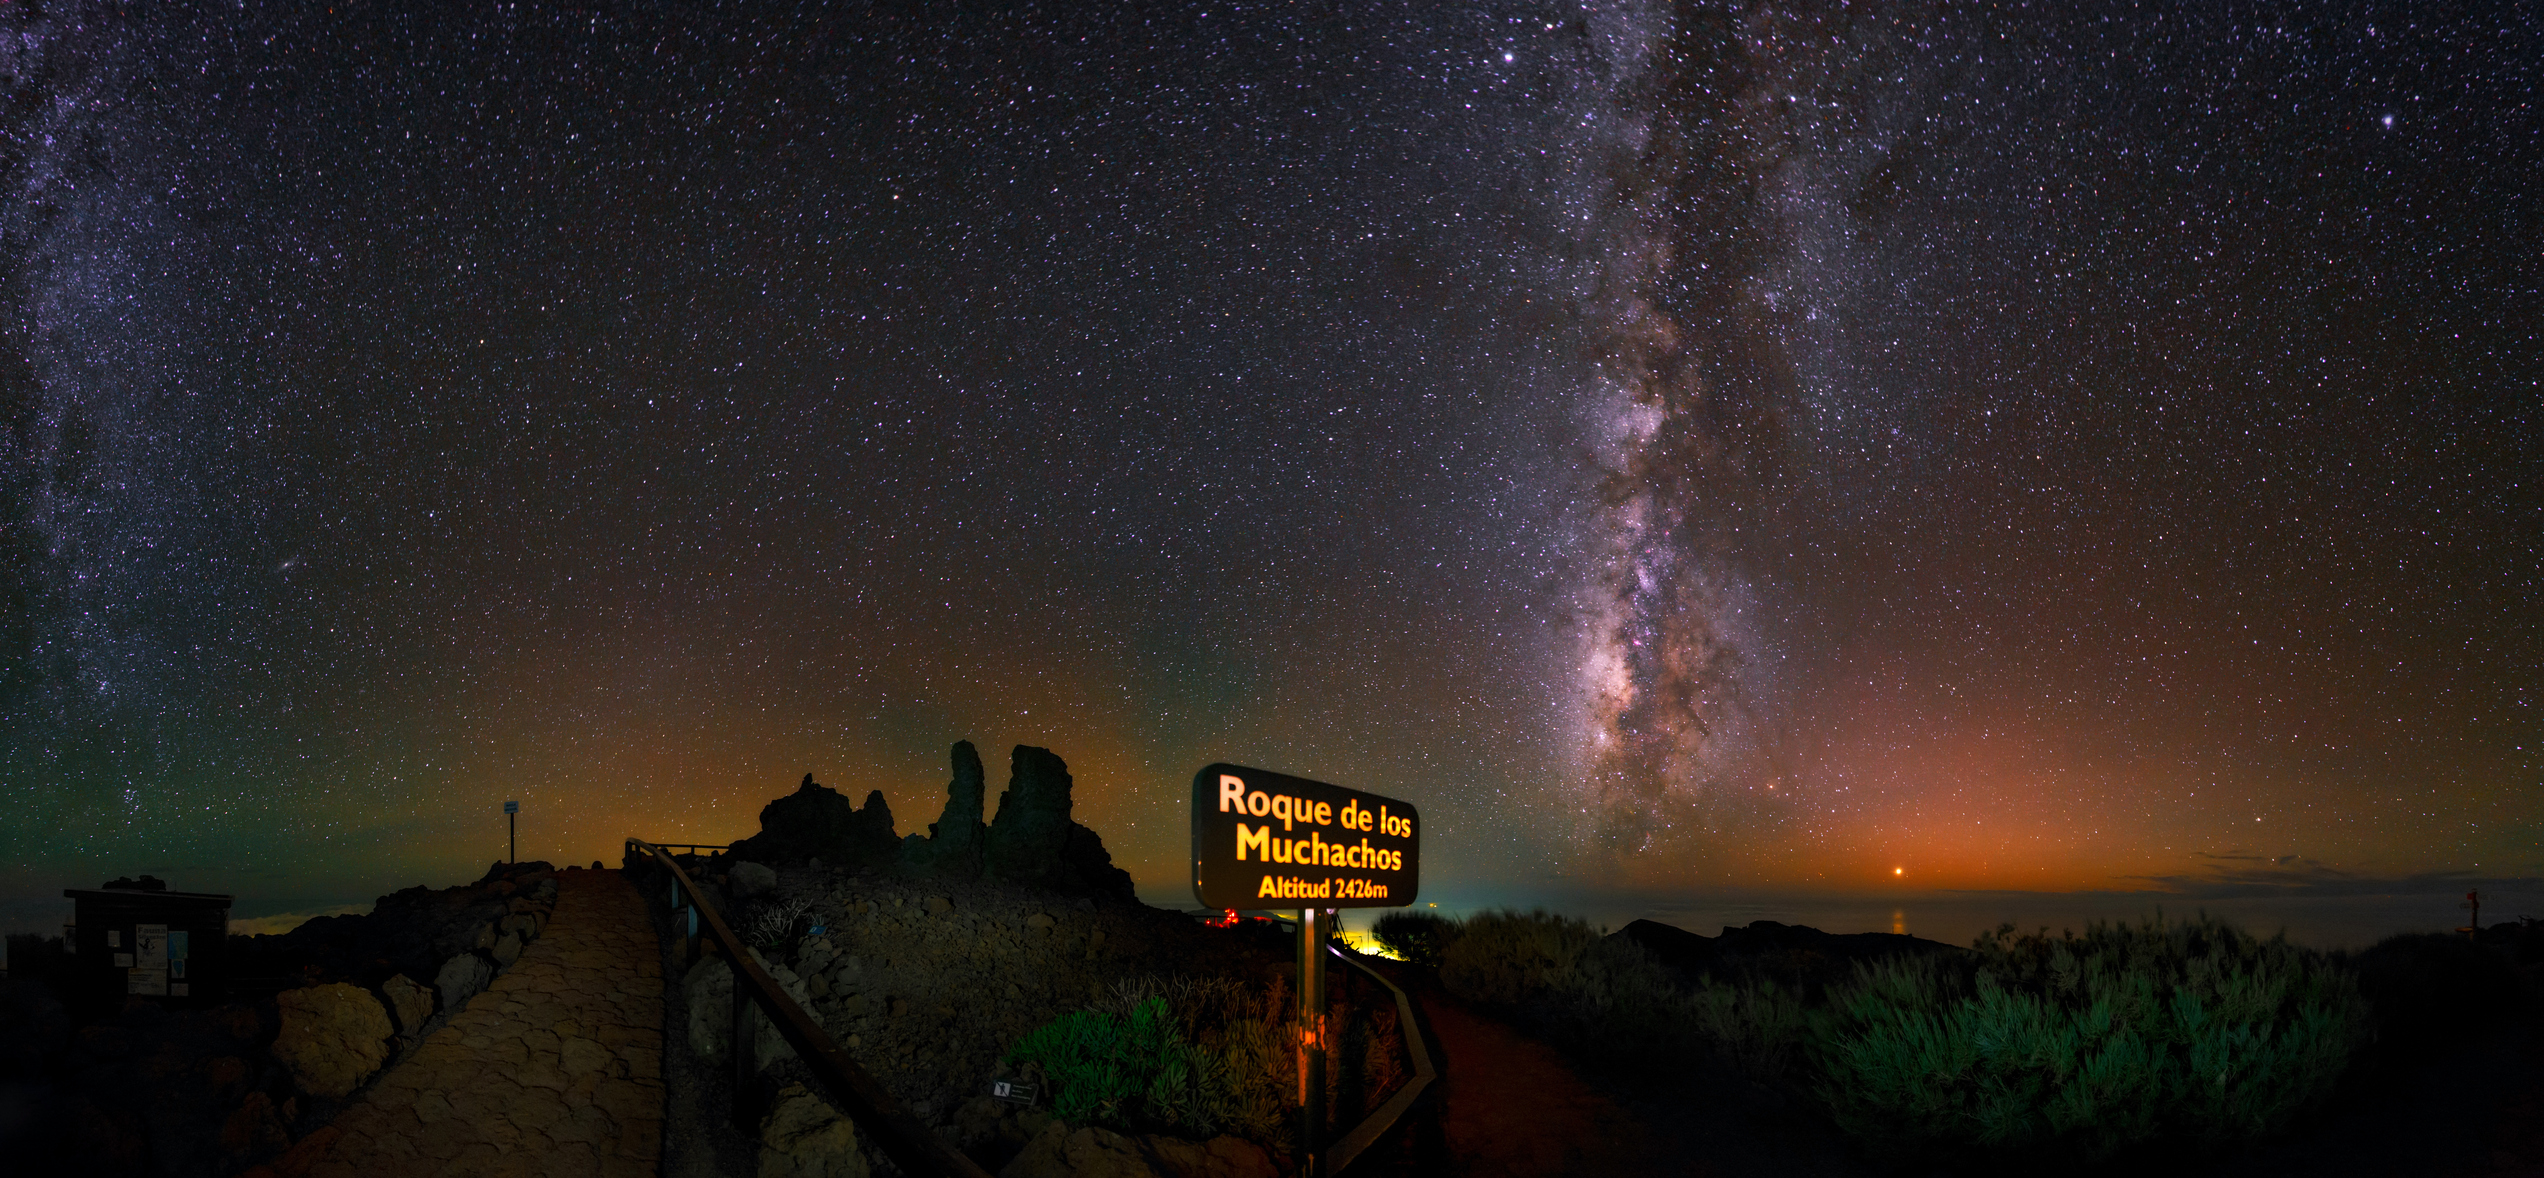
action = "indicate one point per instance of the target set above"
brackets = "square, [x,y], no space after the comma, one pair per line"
[1688,450]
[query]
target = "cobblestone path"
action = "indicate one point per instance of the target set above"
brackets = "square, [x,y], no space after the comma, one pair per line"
[554,1072]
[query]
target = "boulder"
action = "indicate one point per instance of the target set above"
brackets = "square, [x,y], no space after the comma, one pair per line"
[710,990]
[410,1003]
[955,840]
[803,1137]
[507,950]
[770,1045]
[818,820]
[461,978]
[333,1037]
[751,879]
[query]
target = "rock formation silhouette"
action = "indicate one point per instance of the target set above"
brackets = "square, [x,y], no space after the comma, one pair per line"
[1032,842]
[954,841]
[817,821]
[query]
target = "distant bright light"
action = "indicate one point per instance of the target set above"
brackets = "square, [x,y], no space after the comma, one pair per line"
[1899,871]
[1507,58]
[2389,120]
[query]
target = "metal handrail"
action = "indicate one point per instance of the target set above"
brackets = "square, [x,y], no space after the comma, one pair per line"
[1365,1134]
[907,1141]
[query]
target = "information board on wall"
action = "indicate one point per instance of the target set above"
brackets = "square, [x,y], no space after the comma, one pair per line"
[1268,840]
[150,961]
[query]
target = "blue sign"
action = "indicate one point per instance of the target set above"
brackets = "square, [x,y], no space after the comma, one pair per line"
[512,807]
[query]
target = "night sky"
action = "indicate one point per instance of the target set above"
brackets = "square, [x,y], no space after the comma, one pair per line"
[1684,450]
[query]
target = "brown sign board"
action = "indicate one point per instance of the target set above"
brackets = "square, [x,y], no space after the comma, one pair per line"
[1268,840]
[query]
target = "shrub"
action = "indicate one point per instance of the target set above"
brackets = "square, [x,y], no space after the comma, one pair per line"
[2085,1045]
[2430,991]
[1605,996]
[1757,1026]
[1415,935]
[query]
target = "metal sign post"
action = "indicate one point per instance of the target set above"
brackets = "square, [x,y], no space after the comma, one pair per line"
[512,819]
[1314,925]
[1259,838]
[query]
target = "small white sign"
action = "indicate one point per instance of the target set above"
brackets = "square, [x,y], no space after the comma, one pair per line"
[150,946]
[153,982]
[114,938]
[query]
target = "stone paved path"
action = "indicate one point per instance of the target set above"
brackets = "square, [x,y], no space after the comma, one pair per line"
[555,1071]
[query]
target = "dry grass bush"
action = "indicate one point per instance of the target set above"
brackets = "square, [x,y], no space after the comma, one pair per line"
[1758,1026]
[772,927]
[1415,935]
[1605,996]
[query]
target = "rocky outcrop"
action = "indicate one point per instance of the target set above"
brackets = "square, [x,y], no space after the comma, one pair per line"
[1032,842]
[1032,827]
[803,1137]
[333,1037]
[1061,1152]
[1089,869]
[955,840]
[817,820]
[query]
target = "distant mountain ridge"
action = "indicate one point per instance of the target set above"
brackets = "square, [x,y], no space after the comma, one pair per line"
[1794,952]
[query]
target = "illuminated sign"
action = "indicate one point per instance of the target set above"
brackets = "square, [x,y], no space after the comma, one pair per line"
[1268,840]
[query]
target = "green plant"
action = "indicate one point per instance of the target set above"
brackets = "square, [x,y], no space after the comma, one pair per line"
[2086,1045]
[1415,935]
[1134,1073]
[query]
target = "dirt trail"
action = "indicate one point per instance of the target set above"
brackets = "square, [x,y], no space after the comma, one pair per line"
[1511,1107]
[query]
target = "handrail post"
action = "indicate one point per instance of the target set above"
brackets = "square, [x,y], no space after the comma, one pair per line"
[743,1114]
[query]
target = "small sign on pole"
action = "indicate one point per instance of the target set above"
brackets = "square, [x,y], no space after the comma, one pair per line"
[512,833]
